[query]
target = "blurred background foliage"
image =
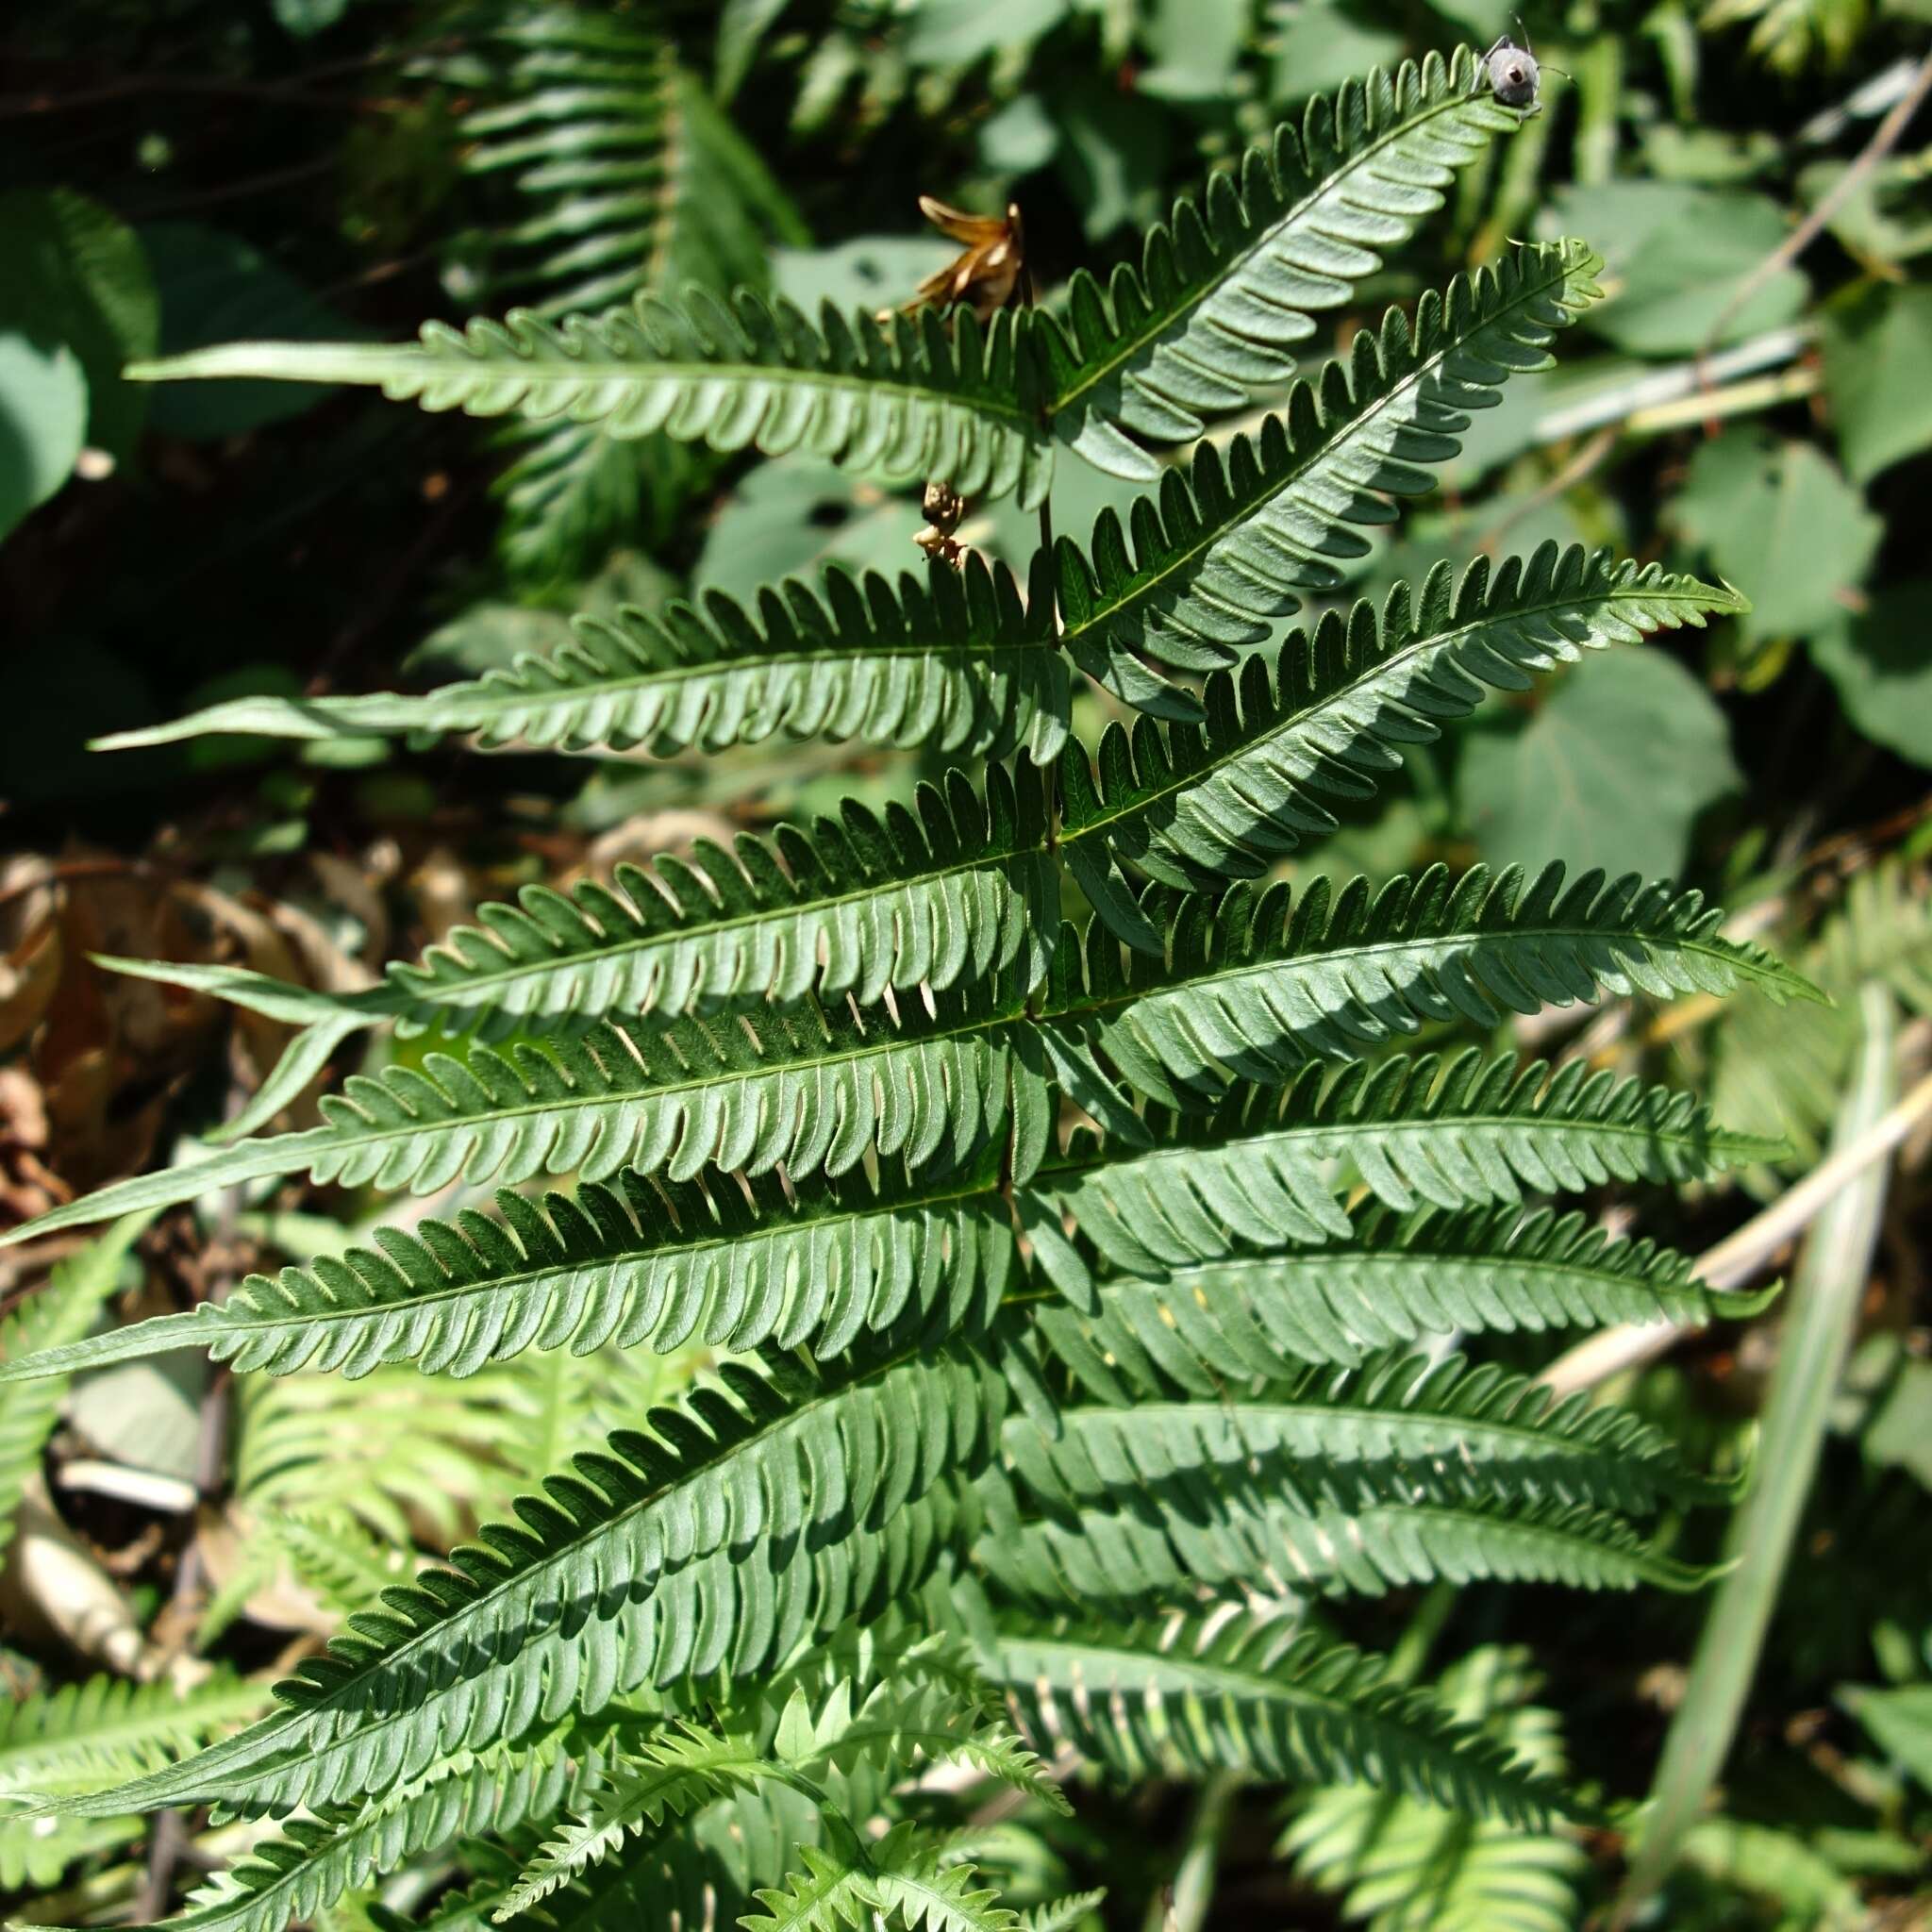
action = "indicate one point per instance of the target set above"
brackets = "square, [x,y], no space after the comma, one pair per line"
[1754,400]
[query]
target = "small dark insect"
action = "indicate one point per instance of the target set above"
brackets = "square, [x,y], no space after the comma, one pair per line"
[943,506]
[1515,78]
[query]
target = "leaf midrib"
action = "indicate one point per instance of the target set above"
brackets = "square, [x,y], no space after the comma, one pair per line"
[1126,348]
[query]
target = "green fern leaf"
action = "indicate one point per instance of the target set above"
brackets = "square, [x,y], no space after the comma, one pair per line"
[764,1508]
[1407,1866]
[1397,1280]
[957,664]
[624,1267]
[1249,1690]
[56,1316]
[1789,1070]
[1337,1533]
[1222,294]
[1229,547]
[1255,1170]
[1255,985]
[898,1881]
[1063,1914]
[630,179]
[1193,807]
[703,1876]
[816,1090]
[313,1861]
[903,1723]
[909,400]
[1480,1428]
[65,1741]
[676,1771]
[958,890]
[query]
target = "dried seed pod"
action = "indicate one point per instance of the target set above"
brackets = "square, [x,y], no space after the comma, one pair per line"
[942,507]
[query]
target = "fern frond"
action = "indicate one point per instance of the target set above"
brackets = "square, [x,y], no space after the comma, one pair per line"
[764,1508]
[1255,984]
[815,1090]
[1406,1866]
[902,1723]
[946,893]
[628,179]
[899,1881]
[1343,1534]
[1476,1429]
[1249,1690]
[1063,1914]
[704,1876]
[681,1768]
[1193,807]
[56,1316]
[64,1741]
[958,663]
[1789,1069]
[1222,294]
[331,1555]
[1229,544]
[915,399]
[312,1861]
[1259,1169]
[1397,1280]
[401,1456]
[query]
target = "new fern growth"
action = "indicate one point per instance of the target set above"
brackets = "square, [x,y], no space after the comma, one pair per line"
[1113,1405]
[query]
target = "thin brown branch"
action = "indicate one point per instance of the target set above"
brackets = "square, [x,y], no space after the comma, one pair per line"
[1885,137]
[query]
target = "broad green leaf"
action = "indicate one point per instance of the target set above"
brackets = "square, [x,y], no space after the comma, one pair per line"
[1323,46]
[304,18]
[75,275]
[1777,517]
[1901,1723]
[1881,661]
[1877,358]
[952,33]
[1675,257]
[743,24]
[42,421]
[214,288]
[1612,770]
[1197,46]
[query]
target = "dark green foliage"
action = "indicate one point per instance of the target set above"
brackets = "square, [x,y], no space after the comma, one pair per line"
[1066,1274]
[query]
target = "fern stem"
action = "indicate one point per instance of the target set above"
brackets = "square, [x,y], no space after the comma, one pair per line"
[1811,1355]
[1182,1905]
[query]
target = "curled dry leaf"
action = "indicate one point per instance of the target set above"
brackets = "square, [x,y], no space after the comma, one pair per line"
[988,274]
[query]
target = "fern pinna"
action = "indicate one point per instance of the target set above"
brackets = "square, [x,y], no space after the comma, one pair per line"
[1068,1275]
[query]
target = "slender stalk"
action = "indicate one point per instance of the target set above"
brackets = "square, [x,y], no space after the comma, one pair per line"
[1739,1255]
[1816,1339]
[1182,1905]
